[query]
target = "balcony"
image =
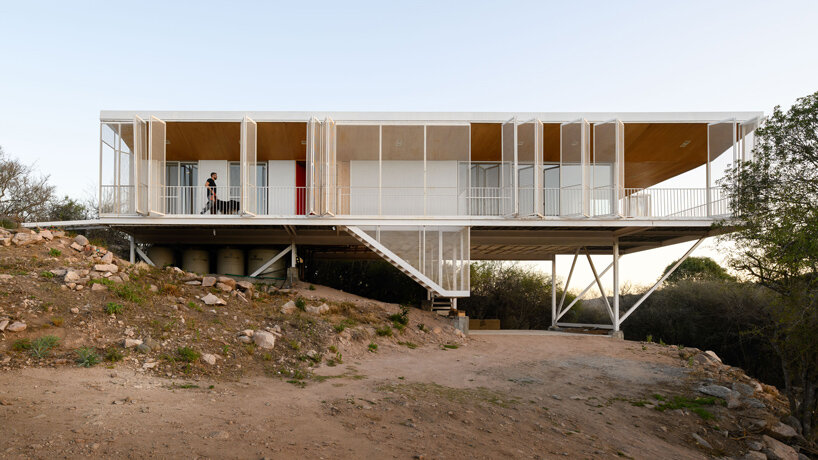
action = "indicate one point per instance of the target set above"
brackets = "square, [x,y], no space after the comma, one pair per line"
[427,202]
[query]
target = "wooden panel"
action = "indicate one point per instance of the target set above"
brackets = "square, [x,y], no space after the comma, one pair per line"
[203,141]
[282,141]
[655,152]
[357,142]
[485,142]
[402,142]
[447,143]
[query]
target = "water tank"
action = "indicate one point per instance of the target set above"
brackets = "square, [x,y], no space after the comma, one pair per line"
[230,262]
[259,256]
[196,261]
[160,255]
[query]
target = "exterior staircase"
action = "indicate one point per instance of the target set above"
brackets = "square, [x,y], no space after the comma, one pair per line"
[443,305]
[402,265]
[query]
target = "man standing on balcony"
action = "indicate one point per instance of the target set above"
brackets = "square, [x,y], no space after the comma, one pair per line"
[210,186]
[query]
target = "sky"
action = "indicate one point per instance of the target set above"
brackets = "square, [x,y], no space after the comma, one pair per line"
[63,62]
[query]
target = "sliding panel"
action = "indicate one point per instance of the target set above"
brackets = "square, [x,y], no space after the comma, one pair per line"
[508,167]
[403,170]
[314,151]
[156,167]
[248,196]
[721,150]
[747,139]
[574,170]
[607,169]
[358,169]
[529,163]
[330,176]
[447,170]
[141,164]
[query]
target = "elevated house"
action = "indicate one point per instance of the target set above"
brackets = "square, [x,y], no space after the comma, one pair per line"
[428,192]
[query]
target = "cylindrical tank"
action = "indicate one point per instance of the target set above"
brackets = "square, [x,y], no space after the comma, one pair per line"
[259,256]
[160,255]
[196,261]
[230,262]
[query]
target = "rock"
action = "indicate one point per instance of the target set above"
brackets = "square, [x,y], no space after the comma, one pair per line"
[793,422]
[219,435]
[227,280]
[557,397]
[130,343]
[209,359]
[211,299]
[106,268]
[753,444]
[312,353]
[75,310]
[777,450]
[264,339]
[782,431]
[47,235]
[754,455]
[76,247]
[754,403]
[713,355]
[193,283]
[288,308]
[17,326]
[153,344]
[743,388]
[59,271]
[98,287]
[245,285]
[715,390]
[245,339]
[24,239]
[108,258]
[319,310]
[81,240]
[6,276]
[733,400]
[224,287]
[71,277]
[143,348]
[3,324]
[208,281]
[701,441]
[247,333]
[437,330]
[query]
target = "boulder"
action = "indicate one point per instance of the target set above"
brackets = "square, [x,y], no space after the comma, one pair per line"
[17,326]
[700,440]
[208,281]
[227,280]
[24,239]
[244,285]
[288,308]
[143,348]
[319,310]
[80,240]
[75,310]
[3,324]
[782,431]
[754,455]
[76,247]
[733,400]
[743,388]
[98,287]
[108,258]
[224,287]
[153,344]
[47,235]
[131,343]
[106,268]
[59,271]
[6,276]
[247,332]
[245,339]
[209,359]
[211,299]
[777,450]
[715,390]
[264,340]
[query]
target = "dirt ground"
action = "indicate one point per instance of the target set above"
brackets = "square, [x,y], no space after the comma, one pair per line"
[493,397]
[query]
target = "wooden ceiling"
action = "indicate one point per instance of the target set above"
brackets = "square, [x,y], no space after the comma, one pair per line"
[654,152]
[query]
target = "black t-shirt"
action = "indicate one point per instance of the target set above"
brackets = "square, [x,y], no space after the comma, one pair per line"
[211,186]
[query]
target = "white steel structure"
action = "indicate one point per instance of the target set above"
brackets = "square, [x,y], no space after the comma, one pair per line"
[426,191]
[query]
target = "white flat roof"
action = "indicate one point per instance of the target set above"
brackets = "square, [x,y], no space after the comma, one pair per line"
[545,117]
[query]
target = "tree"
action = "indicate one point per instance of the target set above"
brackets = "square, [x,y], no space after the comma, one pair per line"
[775,213]
[23,196]
[698,269]
[67,209]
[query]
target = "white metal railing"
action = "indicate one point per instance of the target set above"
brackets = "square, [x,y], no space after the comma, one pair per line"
[567,202]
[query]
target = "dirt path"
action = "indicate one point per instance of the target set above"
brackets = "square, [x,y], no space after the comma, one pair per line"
[497,396]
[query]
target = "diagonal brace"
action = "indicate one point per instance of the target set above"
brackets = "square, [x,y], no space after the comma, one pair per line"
[271,261]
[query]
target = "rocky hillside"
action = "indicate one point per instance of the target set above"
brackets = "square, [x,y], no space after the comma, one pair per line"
[65,301]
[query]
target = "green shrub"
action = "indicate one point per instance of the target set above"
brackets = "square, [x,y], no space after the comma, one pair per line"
[301,304]
[113,354]
[385,331]
[187,354]
[87,357]
[54,252]
[21,345]
[113,308]
[401,318]
[47,274]
[57,321]
[41,346]
[373,347]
